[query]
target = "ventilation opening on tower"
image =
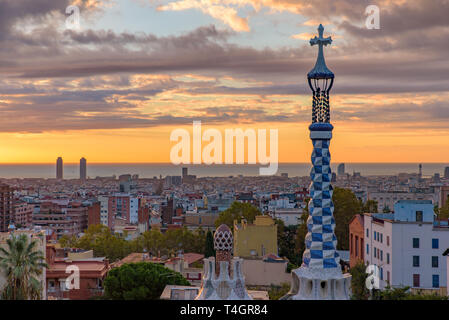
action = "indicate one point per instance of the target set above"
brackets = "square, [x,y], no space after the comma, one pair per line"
[323,289]
[309,287]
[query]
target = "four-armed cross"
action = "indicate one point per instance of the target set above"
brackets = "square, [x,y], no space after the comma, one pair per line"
[320,71]
[320,41]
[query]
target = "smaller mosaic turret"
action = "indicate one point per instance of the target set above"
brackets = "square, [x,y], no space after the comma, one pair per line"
[223,278]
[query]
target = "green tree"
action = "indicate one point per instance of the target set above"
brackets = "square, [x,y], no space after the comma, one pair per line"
[186,240]
[154,242]
[237,211]
[358,282]
[300,245]
[140,281]
[104,243]
[277,292]
[405,294]
[443,212]
[346,206]
[370,206]
[67,241]
[286,241]
[21,262]
[210,250]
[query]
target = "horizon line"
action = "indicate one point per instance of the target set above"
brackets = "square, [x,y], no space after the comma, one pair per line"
[203,164]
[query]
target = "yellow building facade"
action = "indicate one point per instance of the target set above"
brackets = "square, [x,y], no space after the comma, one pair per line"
[255,240]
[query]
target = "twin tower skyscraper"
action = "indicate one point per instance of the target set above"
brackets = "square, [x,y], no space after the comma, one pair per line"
[60,169]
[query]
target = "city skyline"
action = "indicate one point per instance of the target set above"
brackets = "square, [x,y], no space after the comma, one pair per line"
[165,64]
[224,150]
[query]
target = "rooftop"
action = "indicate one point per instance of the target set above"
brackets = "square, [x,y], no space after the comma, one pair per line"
[414,202]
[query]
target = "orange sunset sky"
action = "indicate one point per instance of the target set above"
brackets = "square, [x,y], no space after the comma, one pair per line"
[113,90]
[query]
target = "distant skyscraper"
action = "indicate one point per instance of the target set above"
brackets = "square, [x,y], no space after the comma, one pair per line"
[83,169]
[436,178]
[420,170]
[185,172]
[59,169]
[6,207]
[446,173]
[341,169]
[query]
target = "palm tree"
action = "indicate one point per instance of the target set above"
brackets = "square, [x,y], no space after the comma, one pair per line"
[21,263]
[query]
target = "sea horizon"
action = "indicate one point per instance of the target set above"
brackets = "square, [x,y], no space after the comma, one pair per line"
[150,170]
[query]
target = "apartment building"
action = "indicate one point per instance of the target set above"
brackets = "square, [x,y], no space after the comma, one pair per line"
[6,207]
[92,272]
[387,199]
[407,246]
[62,217]
[23,214]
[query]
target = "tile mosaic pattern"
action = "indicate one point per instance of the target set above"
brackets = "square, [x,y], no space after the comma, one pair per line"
[320,240]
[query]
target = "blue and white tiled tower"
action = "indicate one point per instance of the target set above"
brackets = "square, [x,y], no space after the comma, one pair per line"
[320,276]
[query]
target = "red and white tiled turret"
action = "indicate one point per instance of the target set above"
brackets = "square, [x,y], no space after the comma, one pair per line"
[223,278]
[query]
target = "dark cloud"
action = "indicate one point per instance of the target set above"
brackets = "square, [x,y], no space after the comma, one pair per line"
[435,112]
[409,54]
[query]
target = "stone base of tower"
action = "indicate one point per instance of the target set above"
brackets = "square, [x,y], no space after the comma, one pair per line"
[228,284]
[319,284]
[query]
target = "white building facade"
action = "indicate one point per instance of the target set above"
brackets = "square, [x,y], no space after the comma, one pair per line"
[407,246]
[104,210]
[290,217]
[133,210]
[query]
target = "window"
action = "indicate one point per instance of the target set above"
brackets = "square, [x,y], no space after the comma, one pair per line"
[435,262]
[356,246]
[435,244]
[367,233]
[381,238]
[388,277]
[416,280]
[416,261]
[388,258]
[63,286]
[375,251]
[415,242]
[351,244]
[388,240]
[381,273]
[367,248]
[381,255]
[435,281]
[51,286]
[361,248]
[375,233]
[419,216]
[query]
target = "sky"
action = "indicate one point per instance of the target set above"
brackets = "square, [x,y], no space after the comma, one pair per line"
[114,89]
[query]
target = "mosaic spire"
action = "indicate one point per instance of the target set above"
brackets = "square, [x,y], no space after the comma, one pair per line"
[320,276]
[321,241]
